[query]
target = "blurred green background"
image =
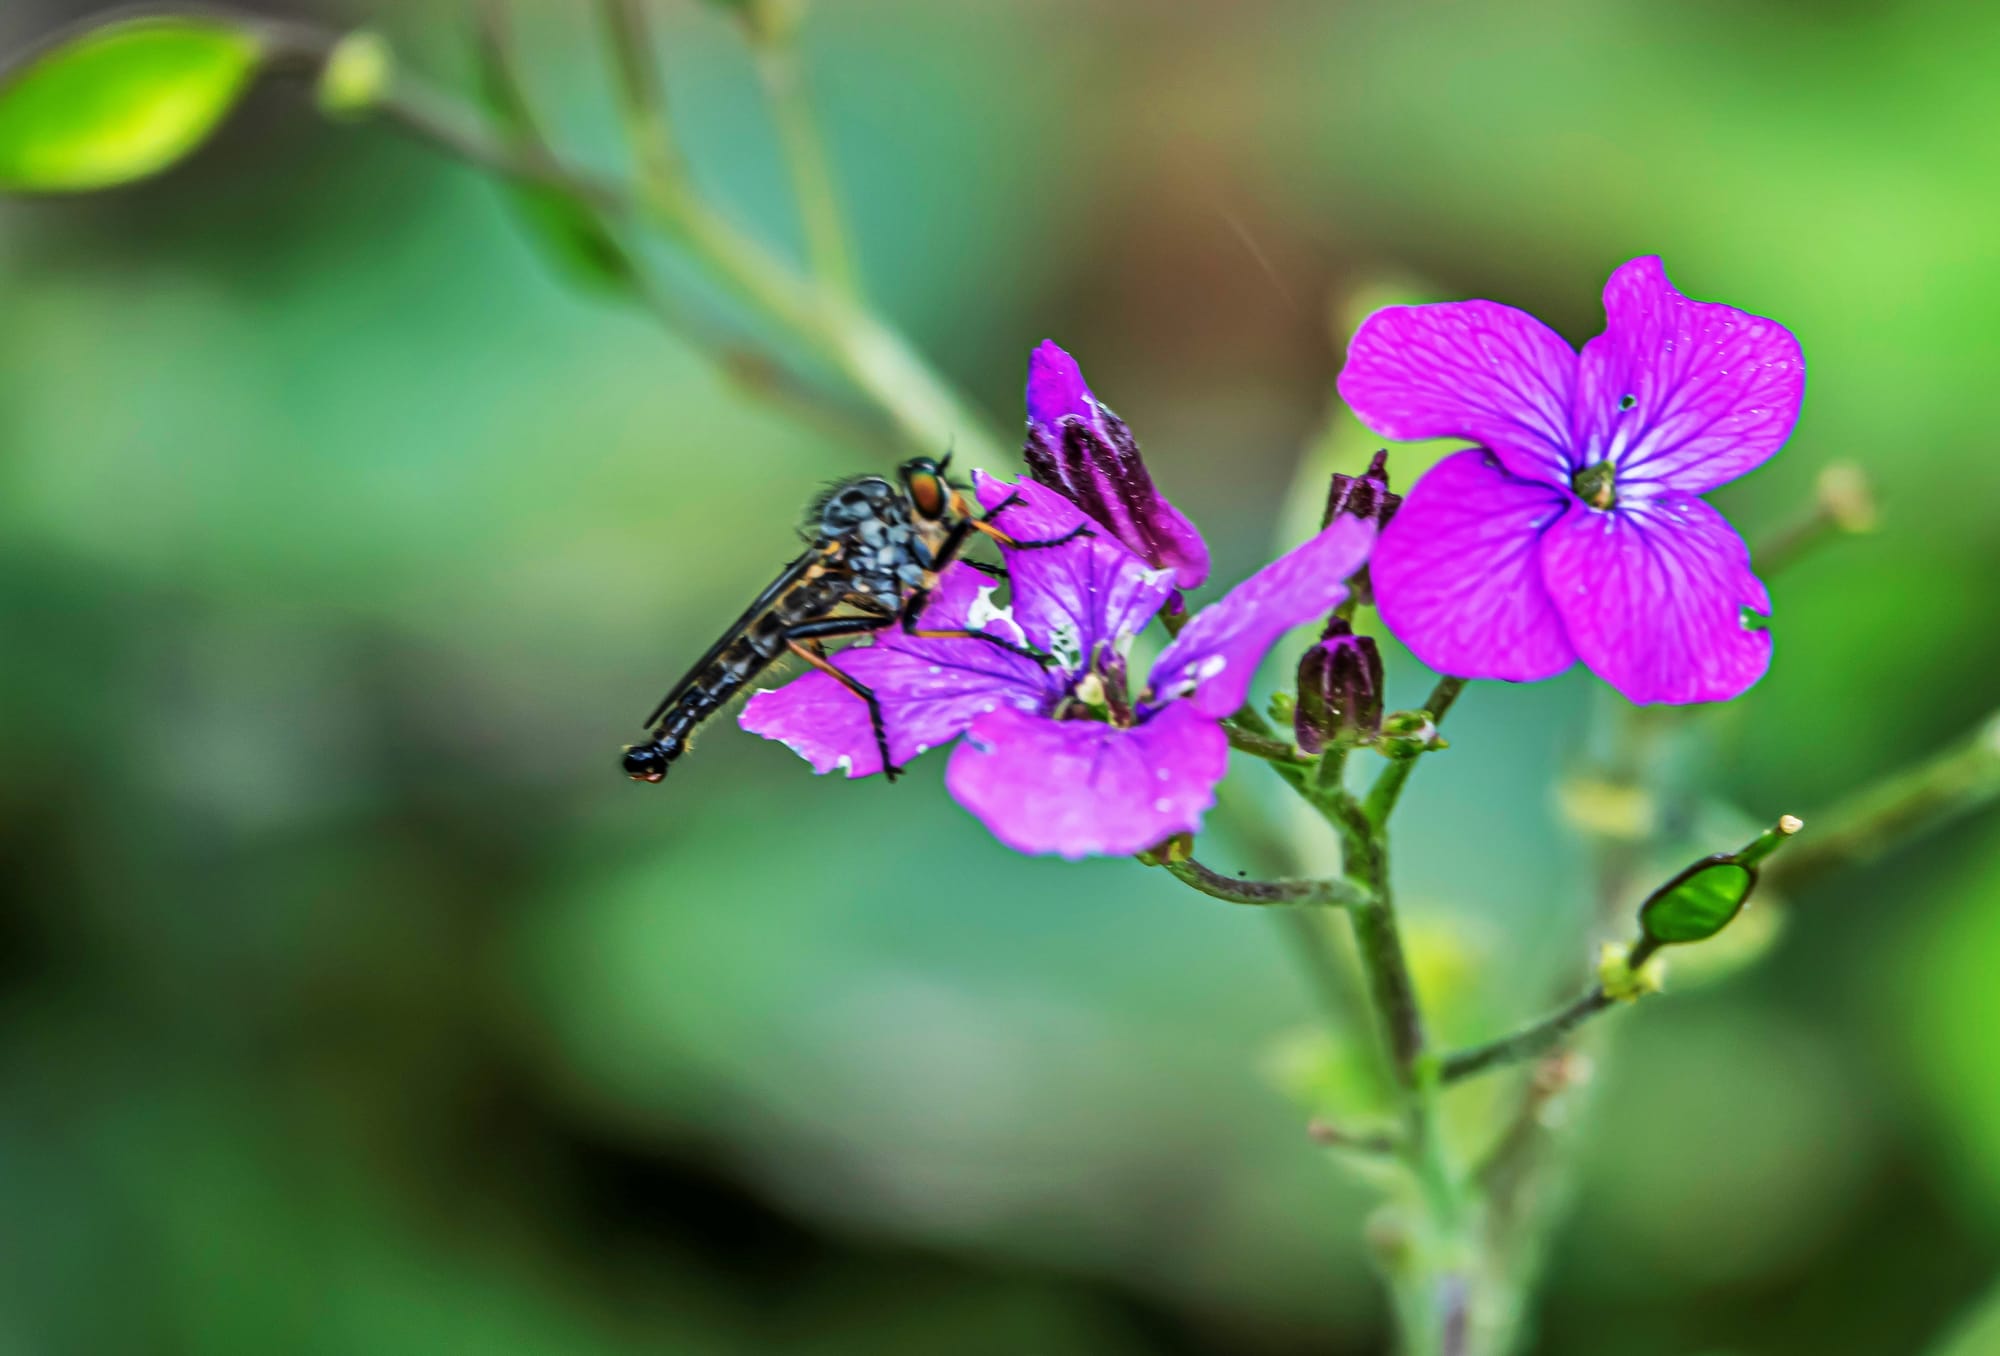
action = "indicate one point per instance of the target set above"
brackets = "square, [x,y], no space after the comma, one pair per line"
[351,1002]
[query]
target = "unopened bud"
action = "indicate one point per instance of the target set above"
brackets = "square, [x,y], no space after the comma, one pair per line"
[1340,690]
[1405,734]
[1365,496]
[1847,497]
[1625,982]
[1169,851]
[357,74]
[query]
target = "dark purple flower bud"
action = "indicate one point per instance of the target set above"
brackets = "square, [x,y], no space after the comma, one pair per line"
[1340,690]
[1080,449]
[1364,496]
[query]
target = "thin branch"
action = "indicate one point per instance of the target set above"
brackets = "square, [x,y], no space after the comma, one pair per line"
[1270,749]
[1266,893]
[1956,782]
[1388,787]
[1529,1042]
[642,99]
[805,156]
[1379,1142]
[1843,505]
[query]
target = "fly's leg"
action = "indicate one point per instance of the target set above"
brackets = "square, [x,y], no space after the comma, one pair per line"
[913,613]
[804,640]
[1014,543]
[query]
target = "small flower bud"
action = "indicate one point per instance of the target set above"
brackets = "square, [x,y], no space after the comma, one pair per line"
[1405,734]
[1364,496]
[1168,851]
[357,74]
[1624,982]
[1846,497]
[1340,690]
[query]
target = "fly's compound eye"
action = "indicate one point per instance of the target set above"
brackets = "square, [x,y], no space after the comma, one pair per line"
[928,494]
[646,763]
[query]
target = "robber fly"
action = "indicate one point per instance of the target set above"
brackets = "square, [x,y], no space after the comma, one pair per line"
[876,549]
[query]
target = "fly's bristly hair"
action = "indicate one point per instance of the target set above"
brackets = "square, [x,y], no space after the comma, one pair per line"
[815,511]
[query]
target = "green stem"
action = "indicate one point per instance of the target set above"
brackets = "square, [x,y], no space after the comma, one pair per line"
[1529,1042]
[805,156]
[1843,505]
[642,99]
[1389,783]
[879,361]
[1267,893]
[1270,749]
[1961,779]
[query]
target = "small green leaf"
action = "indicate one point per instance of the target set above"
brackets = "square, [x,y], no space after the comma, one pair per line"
[570,233]
[120,102]
[1698,903]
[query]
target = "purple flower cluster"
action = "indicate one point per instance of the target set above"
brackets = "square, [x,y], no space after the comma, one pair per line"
[1070,757]
[1574,530]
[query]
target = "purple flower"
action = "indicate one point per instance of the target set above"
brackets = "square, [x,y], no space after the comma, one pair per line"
[1081,450]
[1065,758]
[1574,530]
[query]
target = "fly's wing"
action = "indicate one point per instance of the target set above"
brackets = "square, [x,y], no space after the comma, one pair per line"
[787,577]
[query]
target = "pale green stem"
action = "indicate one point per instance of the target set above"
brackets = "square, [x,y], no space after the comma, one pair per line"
[1963,778]
[879,361]
[1266,893]
[805,156]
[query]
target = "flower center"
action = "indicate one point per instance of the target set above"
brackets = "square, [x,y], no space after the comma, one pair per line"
[1596,485]
[1100,693]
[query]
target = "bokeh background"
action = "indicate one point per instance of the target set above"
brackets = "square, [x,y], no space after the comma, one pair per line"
[351,1002]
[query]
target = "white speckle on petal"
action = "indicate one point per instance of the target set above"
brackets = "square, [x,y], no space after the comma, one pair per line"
[1162,805]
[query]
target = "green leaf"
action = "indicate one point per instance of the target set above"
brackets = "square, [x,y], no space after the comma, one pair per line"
[1698,903]
[120,102]
[569,232]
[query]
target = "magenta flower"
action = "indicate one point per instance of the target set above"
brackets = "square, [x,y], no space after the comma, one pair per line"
[1575,529]
[1081,450]
[1064,758]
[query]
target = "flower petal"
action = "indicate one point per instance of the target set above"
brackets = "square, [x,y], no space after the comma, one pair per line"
[1458,574]
[1079,448]
[1216,654]
[1069,599]
[1686,395]
[1056,388]
[1469,369]
[1082,789]
[1653,595]
[929,690]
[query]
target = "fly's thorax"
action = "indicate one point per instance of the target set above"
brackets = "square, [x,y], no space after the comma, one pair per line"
[847,506]
[886,555]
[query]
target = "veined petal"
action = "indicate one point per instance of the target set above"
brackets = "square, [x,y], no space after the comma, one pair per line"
[1458,574]
[1685,395]
[1079,448]
[930,690]
[1467,369]
[1079,788]
[1071,598]
[1216,654]
[1654,594]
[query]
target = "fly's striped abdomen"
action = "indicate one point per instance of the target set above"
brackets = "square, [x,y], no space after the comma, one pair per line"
[742,661]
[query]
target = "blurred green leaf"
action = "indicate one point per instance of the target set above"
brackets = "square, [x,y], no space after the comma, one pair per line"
[1696,904]
[573,236]
[120,102]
